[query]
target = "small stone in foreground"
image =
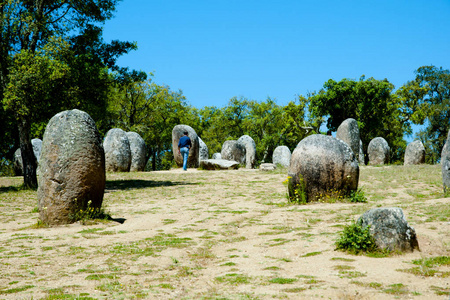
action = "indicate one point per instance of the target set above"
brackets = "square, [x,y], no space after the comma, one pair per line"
[267,167]
[219,164]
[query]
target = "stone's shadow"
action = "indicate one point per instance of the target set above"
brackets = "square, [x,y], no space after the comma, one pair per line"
[118,220]
[6,189]
[113,185]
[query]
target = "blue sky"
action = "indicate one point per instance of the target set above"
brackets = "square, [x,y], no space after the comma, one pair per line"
[214,50]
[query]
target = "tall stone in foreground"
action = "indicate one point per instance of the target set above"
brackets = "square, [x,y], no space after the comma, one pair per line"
[250,151]
[322,166]
[71,167]
[117,151]
[232,150]
[281,156]
[445,165]
[390,229]
[348,131]
[138,152]
[194,152]
[203,150]
[378,151]
[414,153]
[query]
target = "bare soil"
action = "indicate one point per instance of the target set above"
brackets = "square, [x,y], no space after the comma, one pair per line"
[222,235]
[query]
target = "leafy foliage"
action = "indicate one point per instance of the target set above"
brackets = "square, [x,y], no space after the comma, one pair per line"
[356,239]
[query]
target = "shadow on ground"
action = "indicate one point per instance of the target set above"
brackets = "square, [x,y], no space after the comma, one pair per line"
[112,185]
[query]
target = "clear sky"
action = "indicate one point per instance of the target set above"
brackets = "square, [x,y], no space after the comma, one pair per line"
[214,50]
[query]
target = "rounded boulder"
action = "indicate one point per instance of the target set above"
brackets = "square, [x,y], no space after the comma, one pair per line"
[414,153]
[378,151]
[138,152]
[250,150]
[232,150]
[348,131]
[282,156]
[117,151]
[72,168]
[322,166]
[194,152]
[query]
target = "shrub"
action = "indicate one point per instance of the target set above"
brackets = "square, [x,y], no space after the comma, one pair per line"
[355,239]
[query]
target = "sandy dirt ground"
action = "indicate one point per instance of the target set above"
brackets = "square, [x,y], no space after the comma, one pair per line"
[222,235]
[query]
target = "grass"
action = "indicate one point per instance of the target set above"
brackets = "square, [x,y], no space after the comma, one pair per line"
[221,235]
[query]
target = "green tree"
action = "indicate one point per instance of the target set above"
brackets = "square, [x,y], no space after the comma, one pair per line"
[427,98]
[151,110]
[371,103]
[27,28]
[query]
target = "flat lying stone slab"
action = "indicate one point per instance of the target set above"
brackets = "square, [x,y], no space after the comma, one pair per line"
[267,167]
[219,164]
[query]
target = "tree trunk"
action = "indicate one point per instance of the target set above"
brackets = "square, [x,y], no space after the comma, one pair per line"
[28,158]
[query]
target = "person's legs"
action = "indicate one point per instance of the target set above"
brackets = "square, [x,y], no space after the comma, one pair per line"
[185,152]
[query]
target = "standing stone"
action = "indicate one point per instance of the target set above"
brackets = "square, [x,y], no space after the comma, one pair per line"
[361,154]
[390,229]
[282,156]
[378,151]
[415,153]
[348,131]
[117,151]
[216,156]
[232,150]
[322,165]
[203,150]
[250,151]
[18,163]
[72,167]
[138,152]
[445,165]
[194,152]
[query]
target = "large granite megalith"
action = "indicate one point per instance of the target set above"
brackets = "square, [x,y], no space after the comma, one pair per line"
[348,131]
[117,151]
[378,151]
[414,153]
[194,152]
[445,165]
[250,150]
[203,150]
[71,168]
[18,163]
[322,166]
[138,151]
[281,156]
[232,150]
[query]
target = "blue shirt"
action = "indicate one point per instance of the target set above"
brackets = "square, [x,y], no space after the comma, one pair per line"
[185,141]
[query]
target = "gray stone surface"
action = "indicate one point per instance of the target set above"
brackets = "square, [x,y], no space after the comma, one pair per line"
[216,156]
[232,150]
[378,151]
[138,152]
[194,152]
[348,131]
[250,150]
[282,156]
[203,150]
[325,166]
[390,229]
[267,167]
[117,151]
[445,165]
[414,153]
[218,164]
[18,163]
[72,167]
[361,154]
